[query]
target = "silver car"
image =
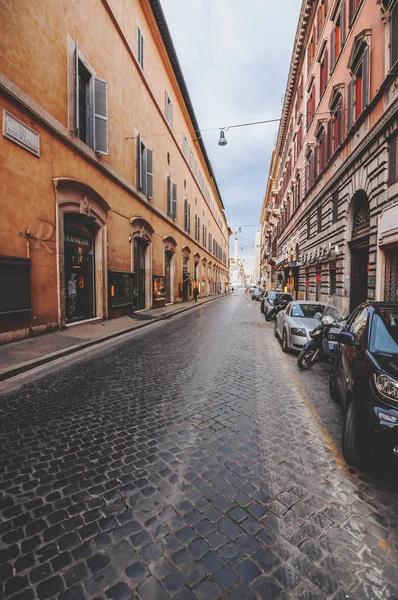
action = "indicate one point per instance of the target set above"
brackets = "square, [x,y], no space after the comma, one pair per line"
[294,324]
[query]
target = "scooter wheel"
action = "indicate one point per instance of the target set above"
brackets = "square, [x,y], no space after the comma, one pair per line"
[305,359]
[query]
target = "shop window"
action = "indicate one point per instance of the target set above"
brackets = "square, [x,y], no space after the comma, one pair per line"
[159,290]
[91,105]
[393,160]
[333,279]
[171,198]
[358,87]
[121,287]
[187,216]
[144,168]
[15,288]
[140,48]
[337,37]
[391,276]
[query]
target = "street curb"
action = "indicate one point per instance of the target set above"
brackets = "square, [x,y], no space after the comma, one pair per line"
[47,358]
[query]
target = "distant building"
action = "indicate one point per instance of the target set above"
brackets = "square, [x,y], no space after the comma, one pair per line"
[330,212]
[108,200]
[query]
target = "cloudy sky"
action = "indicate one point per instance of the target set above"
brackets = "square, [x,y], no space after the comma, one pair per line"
[235,56]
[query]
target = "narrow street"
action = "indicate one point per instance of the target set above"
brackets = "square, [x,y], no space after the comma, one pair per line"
[191,460]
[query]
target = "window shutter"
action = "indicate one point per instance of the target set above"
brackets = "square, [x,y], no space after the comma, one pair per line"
[392,161]
[139,172]
[308,115]
[174,201]
[198,229]
[365,78]
[189,218]
[326,68]
[329,150]
[100,116]
[394,37]
[143,169]
[186,215]
[349,106]
[332,50]
[76,89]
[196,226]
[149,173]
[168,194]
[342,23]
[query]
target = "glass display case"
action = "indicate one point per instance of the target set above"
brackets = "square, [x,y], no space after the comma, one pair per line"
[159,290]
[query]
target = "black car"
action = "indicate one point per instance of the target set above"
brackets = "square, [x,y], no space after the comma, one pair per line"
[272,296]
[365,378]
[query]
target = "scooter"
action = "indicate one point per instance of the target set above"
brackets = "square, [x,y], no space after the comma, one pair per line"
[323,343]
[275,309]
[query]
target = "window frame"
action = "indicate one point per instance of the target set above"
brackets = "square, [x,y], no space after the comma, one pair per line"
[140,48]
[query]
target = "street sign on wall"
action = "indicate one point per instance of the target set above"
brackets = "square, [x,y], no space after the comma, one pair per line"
[19,133]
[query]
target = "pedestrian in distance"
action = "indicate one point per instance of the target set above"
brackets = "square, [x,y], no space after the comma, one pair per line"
[195,292]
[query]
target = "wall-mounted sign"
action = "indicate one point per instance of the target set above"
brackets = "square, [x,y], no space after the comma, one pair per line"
[16,131]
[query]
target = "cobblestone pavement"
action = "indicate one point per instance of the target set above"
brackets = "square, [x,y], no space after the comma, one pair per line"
[191,461]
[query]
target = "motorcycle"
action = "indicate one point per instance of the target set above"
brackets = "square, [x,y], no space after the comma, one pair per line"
[276,308]
[323,343]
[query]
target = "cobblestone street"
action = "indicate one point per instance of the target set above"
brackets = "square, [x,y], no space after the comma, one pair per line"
[192,460]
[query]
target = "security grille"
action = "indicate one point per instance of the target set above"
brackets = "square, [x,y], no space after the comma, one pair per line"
[15,286]
[391,277]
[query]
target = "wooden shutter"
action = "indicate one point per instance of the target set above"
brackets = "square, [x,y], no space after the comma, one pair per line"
[189,218]
[139,170]
[149,173]
[392,161]
[174,201]
[100,116]
[76,89]
[186,215]
[351,11]
[326,66]
[143,169]
[342,24]
[329,149]
[332,50]
[365,78]
[198,229]
[168,195]
[349,106]
[196,226]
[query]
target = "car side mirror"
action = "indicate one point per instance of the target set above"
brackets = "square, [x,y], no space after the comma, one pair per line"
[347,338]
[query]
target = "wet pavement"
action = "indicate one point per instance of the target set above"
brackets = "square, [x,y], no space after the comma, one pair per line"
[190,461]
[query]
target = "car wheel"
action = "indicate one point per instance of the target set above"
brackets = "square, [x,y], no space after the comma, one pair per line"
[351,436]
[285,347]
[262,307]
[333,391]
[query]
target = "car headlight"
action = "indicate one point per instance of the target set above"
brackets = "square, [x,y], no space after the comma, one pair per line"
[386,386]
[298,331]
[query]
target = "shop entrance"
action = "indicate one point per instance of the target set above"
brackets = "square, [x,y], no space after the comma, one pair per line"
[140,247]
[79,268]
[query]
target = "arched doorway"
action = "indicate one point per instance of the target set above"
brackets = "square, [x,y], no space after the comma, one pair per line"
[169,267]
[141,232]
[359,247]
[81,248]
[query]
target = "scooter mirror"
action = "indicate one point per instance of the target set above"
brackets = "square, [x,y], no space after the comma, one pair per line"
[318,316]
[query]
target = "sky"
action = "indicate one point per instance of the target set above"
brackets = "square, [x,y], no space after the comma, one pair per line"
[235,57]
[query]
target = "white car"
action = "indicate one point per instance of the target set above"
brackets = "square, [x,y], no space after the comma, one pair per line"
[294,324]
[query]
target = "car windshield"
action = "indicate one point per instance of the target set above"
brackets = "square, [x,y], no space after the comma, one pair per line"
[306,310]
[384,335]
[271,296]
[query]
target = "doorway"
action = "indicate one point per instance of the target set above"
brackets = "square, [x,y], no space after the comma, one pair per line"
[140,247]
[79,268]
[359,275]
[168,257]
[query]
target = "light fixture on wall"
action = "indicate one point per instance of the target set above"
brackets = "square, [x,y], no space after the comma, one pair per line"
[130,238]
[222,141]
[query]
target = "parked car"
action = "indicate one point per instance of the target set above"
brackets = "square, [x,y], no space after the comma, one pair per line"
[294,324]
[267,302]
[365,379]
[256,294]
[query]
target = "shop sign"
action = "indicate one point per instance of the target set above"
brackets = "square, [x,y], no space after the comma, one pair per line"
[73,239]
[16,131]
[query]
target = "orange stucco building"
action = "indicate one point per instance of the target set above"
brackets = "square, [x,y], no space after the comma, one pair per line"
[329,216]
[108,199]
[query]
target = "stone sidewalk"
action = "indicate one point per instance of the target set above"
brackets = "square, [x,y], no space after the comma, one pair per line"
[24,355]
